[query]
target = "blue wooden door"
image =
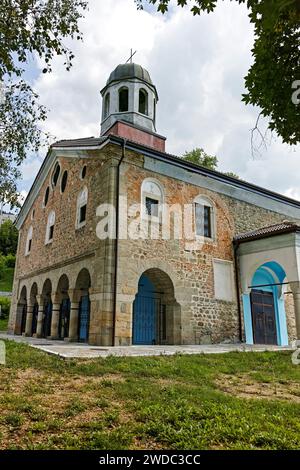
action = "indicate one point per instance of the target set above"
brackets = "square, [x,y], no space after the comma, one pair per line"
[145,314]
[84,319]
[263,317]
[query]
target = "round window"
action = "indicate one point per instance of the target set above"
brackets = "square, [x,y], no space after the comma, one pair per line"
[64,181]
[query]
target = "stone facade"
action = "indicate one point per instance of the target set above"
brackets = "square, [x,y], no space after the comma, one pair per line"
[77,262]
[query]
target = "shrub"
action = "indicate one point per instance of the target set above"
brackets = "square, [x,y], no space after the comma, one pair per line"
[10,260]
[2,265]
[5,306]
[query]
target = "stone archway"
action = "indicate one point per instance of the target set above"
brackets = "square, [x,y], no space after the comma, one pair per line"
[264,309]
[32,317]
[21,317]
[156,315]
[62,293]
[45,327]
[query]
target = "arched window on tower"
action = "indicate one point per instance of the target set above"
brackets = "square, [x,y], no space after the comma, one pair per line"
[106,105]
[123,99]
[143,101]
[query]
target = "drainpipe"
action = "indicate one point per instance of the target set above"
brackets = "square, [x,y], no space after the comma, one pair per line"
[117,239]
[237,288]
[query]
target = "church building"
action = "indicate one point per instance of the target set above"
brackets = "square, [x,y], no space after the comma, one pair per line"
[122,243]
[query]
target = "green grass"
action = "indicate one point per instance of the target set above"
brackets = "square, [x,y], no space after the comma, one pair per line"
[221,401]
[3,324]
[6,280]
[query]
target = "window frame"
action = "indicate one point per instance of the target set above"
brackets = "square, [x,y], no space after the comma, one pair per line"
[146,194]
[29,237]
[82,200]
[205,202]
[50,227]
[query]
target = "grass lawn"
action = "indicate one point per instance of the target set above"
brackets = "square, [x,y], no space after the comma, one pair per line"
[220,401]
[6,281]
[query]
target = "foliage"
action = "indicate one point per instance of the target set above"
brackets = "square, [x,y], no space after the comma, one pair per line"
[276,52]
[10,260]
[5,306]
[6,279]
[231,174]
[8,238]
[199,157]
[177,402]
[2,265]
[19,134]
[28,27]
[39,26]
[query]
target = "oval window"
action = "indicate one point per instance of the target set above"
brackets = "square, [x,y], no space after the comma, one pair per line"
[46,198]
[56,173]
[64,181]
[83,172]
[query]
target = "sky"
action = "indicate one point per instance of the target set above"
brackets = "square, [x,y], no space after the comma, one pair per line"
[197,65]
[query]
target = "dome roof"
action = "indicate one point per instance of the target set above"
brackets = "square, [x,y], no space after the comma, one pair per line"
[130,70]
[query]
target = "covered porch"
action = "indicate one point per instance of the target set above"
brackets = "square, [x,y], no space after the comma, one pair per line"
[268,269]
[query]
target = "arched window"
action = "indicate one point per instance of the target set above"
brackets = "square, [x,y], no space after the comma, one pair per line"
[50,227]
[152,199]
[123,99]
[81,208]
[143,101]
[29,241]
[106,105]
[204,214]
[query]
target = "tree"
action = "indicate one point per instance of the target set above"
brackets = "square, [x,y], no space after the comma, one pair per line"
[275,74]
[28,27]
[199,157]
[8,238]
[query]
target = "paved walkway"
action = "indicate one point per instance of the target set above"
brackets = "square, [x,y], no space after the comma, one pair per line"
[84,351]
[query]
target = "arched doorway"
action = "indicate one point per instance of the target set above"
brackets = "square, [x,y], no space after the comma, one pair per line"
[47,309]
[83,283]
[21,312]
[156,314]
[267,305]
[35,308]
[65,307]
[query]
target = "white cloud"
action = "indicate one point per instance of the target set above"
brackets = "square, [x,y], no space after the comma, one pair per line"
[197,64]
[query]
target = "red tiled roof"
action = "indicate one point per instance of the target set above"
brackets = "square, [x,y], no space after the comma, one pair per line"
[269,231]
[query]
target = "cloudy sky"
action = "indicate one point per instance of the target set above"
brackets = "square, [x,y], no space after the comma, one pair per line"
[197,65]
